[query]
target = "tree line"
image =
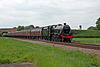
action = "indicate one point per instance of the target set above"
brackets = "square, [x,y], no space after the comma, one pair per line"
[97,25]
[25,27]
[32,26]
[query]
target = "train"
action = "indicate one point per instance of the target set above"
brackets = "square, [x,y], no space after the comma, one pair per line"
[59,32]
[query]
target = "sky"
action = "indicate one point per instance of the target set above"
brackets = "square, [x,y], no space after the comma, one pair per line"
[49,12]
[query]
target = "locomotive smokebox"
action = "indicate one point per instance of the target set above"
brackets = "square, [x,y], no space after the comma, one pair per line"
[64,23]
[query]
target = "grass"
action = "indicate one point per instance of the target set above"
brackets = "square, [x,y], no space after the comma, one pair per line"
[87,40]
[12,51]
[86,32]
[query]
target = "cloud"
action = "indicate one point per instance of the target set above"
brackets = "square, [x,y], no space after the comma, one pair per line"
[48,12]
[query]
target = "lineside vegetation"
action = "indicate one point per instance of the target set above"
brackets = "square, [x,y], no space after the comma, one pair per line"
[12,51]
[86,33]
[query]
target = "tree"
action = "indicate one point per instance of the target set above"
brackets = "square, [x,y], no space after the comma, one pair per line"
[27,27]
[24,28]
[20,28]
[14,28]
[98,26]
[92,28]
[98,23]
[31,26]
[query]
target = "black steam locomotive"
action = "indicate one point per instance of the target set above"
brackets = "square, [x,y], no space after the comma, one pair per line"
[58,32]
[61,33]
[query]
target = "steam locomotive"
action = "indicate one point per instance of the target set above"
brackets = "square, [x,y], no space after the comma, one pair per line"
[58,32]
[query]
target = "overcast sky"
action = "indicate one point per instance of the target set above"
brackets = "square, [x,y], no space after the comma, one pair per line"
[48,12]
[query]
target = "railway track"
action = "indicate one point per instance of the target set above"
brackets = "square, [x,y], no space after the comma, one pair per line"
[80,45]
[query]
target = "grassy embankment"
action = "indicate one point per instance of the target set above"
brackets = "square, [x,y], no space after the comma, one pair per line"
[86,33]
[87,36]
[12,51]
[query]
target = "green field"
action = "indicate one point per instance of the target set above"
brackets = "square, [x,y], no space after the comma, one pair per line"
[87,40]
[12,51]
[86,33]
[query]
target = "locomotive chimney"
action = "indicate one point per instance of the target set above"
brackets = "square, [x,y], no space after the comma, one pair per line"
[64,23]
